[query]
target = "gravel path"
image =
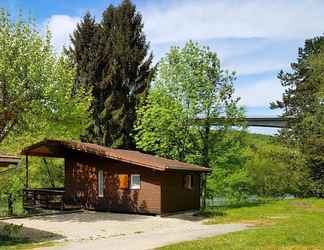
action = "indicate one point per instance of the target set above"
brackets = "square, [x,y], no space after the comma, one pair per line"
[101,231]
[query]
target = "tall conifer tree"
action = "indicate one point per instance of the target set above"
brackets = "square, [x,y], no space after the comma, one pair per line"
[120,74]
[304,100]
[83,50]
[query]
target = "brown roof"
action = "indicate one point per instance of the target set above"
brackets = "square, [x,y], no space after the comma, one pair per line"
[56,148]
[6,160]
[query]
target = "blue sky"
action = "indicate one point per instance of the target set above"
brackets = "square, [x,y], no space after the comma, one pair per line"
[255,38]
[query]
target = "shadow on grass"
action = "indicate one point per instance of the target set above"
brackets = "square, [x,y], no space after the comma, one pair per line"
[220,210]
[26,236]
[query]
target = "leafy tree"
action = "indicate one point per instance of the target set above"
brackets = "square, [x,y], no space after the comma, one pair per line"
[119,73]
[35,100]
[189,84]
[34,84]
[303,100]
[276,170]
[230,177]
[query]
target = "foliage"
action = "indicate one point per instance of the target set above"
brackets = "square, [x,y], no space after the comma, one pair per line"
[288,224]
[36,89]
[82,52]
[34,83]
[256,165]
[10,231]
[276,170]
[303,100]
[189,84]
[112,57]
[230,177]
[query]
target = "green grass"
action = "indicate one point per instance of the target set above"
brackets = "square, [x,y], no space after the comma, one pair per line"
[23,245]
[282,225]
[18,208]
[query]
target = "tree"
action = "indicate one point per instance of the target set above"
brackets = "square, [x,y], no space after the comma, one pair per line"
[122,71]
[34,83]
[35,100]
[303,100]
[83,50]
[189,84]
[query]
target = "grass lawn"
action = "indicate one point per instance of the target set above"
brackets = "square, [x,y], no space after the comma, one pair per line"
[296,224]
[22,245]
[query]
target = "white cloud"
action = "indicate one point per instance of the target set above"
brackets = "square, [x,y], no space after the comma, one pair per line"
[61,27]
[191,19]
[260,93]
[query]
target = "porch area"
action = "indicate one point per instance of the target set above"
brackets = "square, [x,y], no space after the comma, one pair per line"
[46,198]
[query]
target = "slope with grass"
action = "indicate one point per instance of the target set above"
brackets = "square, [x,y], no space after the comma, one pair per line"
[282,225]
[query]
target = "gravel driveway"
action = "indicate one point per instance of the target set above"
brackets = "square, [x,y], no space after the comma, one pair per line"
[102,230]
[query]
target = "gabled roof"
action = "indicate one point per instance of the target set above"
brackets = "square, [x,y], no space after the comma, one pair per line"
[6,160]
[57,148]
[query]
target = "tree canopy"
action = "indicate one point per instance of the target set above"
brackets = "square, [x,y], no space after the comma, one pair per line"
[189,84]
[304,101]
[112,57]
[35,95]
[35,100]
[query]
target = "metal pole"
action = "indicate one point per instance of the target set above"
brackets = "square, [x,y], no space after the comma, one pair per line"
[27,174]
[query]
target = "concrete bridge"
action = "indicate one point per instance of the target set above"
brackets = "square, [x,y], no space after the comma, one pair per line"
[269,122]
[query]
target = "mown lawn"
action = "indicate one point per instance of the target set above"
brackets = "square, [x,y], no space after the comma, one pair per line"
[22,245]
[296,224]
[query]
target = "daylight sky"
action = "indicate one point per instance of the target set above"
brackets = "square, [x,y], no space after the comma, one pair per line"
[255,38]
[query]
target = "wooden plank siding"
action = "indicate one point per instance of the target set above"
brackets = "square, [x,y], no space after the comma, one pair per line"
[175,197]
[81,185]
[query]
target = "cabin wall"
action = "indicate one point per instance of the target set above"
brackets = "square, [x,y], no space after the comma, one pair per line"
[175,197]
[81,185]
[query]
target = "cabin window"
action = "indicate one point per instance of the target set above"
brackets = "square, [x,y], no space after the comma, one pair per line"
[100,183]
[188,181]
[135,181]
[123,181]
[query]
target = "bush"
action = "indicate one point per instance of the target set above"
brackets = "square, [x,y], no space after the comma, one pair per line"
[10,232]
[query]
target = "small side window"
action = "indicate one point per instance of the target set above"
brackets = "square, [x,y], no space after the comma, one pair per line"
[135,181]
[188,181]
[101,183]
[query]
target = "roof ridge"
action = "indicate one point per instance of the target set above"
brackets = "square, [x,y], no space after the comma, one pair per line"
[135,157]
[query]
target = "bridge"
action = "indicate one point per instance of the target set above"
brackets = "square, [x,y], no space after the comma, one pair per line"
[269,122]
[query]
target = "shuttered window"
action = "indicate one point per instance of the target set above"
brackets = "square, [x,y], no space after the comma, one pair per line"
[123,181]
[101,183]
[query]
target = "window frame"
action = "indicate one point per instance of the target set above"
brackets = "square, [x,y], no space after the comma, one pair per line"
[132,185]
[101,183]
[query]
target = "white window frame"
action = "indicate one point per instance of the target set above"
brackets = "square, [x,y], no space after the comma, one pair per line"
[101,183]
[132,184]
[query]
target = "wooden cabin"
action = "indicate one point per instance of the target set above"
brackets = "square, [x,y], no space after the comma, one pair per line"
[107,179]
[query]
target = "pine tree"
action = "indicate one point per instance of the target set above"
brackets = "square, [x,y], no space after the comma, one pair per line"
[83,50]
[118,71]
[303,100]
